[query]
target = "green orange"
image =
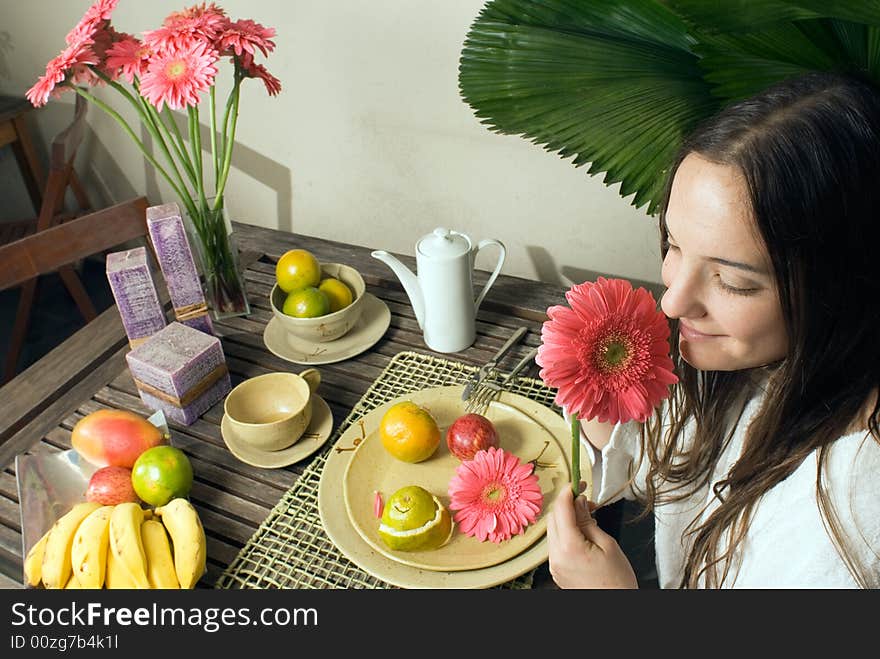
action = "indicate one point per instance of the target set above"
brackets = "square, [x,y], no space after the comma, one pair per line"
[337,292]
[297,268]
[306,303]
[415,520]
[161,474]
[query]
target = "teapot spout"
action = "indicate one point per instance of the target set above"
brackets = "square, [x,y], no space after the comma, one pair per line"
[409,280]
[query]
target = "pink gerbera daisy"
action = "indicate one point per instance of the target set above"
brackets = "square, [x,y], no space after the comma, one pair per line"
[66,64]
[496,495]
[608,355]
[204,22]
[245,35]
[252,70]
[94,18]
[176,76]
[130,56]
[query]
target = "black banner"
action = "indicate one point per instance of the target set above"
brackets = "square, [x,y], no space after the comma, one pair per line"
[396,623]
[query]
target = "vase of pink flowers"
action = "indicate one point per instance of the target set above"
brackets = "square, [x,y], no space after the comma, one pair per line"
[174,68]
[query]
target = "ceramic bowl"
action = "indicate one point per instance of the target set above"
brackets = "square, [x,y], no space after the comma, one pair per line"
[331,326]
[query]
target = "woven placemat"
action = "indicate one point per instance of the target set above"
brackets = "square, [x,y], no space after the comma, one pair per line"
[290,548]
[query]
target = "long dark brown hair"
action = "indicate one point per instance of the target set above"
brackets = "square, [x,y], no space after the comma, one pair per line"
[809,149]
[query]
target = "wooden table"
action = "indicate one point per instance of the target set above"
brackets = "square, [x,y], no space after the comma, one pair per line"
[88,371]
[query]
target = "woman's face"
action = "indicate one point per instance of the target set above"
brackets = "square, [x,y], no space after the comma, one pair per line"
[717,272]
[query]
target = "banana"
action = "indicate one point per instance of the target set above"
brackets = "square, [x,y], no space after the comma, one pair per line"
[73,583]
[188,536]
[89,552]
[126,543]
[56,558]
[116,577]
[33,562]
[160,564]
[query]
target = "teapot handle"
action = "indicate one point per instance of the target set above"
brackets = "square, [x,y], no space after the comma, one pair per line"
[501,256]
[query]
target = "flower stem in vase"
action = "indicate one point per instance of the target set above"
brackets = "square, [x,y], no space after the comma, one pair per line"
[224,283]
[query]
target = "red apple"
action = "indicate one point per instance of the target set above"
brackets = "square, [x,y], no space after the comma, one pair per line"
[110,486]
[470,433]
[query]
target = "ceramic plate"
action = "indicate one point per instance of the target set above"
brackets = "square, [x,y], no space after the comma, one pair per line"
[387,565]
[372,469]
[319,430]
[374,320]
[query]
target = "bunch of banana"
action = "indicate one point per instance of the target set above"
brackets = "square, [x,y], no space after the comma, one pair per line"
[121,546]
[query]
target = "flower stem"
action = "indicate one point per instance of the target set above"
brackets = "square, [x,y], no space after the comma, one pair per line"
[179,188]
[214,155]
[195,139]
[137,104]
[575,455]
[179,145]
[157,122]
[228,139]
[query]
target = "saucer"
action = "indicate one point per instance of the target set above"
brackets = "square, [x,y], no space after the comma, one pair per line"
[370,327]
[319,430]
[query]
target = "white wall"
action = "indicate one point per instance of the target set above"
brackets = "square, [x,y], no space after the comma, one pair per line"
[369,141]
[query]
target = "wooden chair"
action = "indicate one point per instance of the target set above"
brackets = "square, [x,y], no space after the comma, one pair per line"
[52,213]
[59,246]
[14,132]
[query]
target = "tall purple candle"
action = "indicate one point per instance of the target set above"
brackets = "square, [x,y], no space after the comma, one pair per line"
[168,234]
[129,275]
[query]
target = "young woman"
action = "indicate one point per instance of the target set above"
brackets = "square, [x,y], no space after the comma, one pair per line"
[763,467]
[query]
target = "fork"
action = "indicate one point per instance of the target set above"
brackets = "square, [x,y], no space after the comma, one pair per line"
[487,368]
[488,390]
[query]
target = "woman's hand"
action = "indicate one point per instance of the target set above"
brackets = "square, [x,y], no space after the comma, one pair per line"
[581,554]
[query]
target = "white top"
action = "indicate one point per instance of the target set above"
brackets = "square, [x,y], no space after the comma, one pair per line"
[786,545]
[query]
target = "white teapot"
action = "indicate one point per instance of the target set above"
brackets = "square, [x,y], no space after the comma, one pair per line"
[442,295]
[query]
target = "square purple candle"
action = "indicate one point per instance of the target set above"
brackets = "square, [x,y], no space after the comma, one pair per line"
[132,284]
[181,371]
[168,234]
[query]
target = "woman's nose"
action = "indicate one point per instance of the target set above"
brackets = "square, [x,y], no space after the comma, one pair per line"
[682,298]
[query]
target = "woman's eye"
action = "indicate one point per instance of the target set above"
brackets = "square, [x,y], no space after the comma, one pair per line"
[736,290]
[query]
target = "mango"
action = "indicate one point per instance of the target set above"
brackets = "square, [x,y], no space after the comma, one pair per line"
[114,437]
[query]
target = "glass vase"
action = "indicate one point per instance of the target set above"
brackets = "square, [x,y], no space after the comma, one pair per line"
[210,231]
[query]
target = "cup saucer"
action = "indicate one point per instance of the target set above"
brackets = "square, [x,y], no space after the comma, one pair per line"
[318,431]
[370,327]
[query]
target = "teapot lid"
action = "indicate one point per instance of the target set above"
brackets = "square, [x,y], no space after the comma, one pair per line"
[443,243]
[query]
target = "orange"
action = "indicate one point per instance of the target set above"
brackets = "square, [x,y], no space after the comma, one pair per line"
[160,474]
[297,268]
[337,292]
[306,303]
[409,432]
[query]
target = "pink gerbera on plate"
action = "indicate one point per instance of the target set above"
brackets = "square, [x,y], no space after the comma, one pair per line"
[495,494]
[607,355]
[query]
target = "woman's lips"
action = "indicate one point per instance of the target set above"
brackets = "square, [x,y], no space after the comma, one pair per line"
[689,333]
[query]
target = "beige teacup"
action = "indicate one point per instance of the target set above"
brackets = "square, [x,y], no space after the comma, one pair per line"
[272,411]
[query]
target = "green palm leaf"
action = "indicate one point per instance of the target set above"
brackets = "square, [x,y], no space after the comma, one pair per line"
[618,83]
[741,64]
[750,15]
[617,89]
